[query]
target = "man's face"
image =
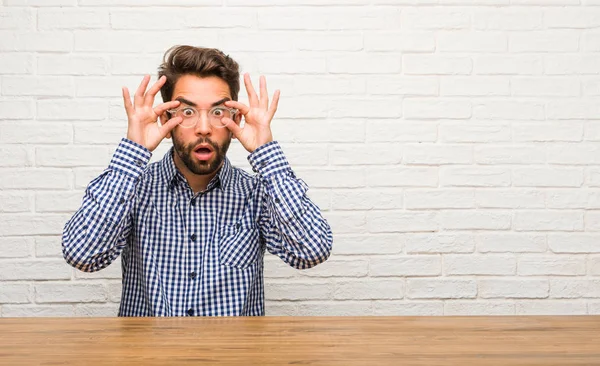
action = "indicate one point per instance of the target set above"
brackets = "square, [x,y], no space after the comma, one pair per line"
[202,147]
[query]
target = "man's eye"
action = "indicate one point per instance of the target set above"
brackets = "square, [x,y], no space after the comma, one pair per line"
[218,112]
[187,112]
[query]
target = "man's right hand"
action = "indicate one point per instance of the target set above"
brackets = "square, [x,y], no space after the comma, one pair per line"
[142,117]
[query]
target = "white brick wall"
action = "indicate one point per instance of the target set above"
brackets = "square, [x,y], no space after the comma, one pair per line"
[451,144]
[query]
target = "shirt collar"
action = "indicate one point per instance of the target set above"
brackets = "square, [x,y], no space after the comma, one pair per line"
[171,175]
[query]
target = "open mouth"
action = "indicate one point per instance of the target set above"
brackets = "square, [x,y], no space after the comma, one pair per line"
[203,152]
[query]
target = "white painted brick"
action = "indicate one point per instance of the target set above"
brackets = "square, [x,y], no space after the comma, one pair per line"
[72,65]
[113,271]
[583,17]
[435,154]
[276,268]
[436,65]
[52,41]
[19,311]
[69,292]
[440,243]
[475,220]
[545,2]
[468,41]
[508,65]
[35,133]
[343,222]
[15,202]
[104,133]
[295,107]
[48,246]
[372,63]
[405,308]
[474,177]
[368,244]
[464,264]
[15,293]
[105,86]
[509,154]
[135,3]
[387,289]
[32,224]
[547,131]
[41,2]
[593,264]
[574,288]
[367,199]
[327,85]
[593,177]
[507,109]
[330,178]
[15,247]
[71,156]
[439,198]
[101,41]
[329,41]
[553,87]
[396,131]
[16,63]
[45,86]
[298,291]
[474,132]
[569,154]
[77,109]
[405,86]
[190,17]
[72,18]
[435,18]
[555,265]
[283,308]
[337,267]
[509,198]
[365,154]
[58,201]
[402,177]
[15,156]
[593,308]
[35,179]
[16,109]
[513,288]
[54,269]
[17,18]
[509,19]
[344,130]
[544,41]
[406,266]
[293,64]
[592,220]
[436,108]
[573,109]
[390,221]
[511,243]
[475,308]
[124,64]
[548,220]
[400,41]
[589,41]
[114,290]
[366,18]
[253,41]
[337,308]
[441,289]
[591,87]
[572,64]
[547,177]
[551,307]
[573,243]
[474,86]
[573,198]
[96,310]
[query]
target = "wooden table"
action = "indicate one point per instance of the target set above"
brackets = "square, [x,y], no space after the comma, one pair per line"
[526,340]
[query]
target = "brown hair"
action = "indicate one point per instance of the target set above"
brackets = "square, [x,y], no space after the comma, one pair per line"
[202,62]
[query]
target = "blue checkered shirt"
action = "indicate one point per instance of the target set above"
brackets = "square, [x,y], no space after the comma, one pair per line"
[184,254]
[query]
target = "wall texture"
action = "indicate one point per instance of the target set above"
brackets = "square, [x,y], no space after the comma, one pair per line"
[453,144]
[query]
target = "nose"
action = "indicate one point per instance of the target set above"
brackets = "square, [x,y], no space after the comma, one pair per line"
[203,126]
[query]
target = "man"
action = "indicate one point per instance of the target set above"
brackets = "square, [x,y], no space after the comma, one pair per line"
[192,229]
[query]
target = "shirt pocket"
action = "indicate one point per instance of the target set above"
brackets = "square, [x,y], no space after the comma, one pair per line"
[239,245]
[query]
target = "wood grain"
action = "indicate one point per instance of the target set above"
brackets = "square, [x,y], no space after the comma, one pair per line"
[524,340]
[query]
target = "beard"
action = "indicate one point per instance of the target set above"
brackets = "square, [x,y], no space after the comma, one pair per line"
[185,153]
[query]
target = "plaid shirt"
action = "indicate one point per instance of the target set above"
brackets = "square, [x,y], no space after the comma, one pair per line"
[185,254]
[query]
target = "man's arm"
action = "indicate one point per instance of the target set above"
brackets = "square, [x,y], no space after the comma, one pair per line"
[290,222]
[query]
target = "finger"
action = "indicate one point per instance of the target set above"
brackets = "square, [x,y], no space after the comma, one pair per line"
[232,126]
[170,125]
[127,101]
[151,94]
[138,99]
[252,97]
[273,107]
[244,109]
[162,108]
[264,96]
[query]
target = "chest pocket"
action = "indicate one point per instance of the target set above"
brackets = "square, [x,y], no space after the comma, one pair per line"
[238,245]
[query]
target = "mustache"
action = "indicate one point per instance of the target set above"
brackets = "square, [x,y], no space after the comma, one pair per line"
[203,140]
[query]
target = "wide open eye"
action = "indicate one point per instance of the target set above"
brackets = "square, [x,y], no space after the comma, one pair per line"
[187,112]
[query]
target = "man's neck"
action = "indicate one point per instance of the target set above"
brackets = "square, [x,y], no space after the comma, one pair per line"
[197,182]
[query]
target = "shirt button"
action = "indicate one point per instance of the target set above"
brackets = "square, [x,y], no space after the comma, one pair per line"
[193,202]
[277,200]
[193,275]
[190,312]
[193,237]
[122,200]
[139,163]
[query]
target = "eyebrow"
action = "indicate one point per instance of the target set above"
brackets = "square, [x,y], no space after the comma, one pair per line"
[190,103]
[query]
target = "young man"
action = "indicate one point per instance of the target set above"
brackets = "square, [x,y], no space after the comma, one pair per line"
[192,229]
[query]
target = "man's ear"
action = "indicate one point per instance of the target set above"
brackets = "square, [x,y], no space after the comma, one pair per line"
[163,119]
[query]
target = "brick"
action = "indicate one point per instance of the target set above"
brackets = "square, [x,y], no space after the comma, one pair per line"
[364,64]
[508,19]
[298,291]
[364,244]
[45,86]
[474,177]
[336,308]
[32,224]
[551,307]
[478,308]
[72,18]
[71,156]
[475,220]
[331,178]
[440,243]
[337,267]
[400,41]
[436,108]
[506,109]
[17,18]
[293,65]
[548,131]
[511,243]
[513,288]
[559,220]
[417,199]
[544,41]
[509,154]
[574,288]
[15,293]
[441,289]
[593,265]
[547,177]
[15,156]
[110,310]
[305,155]
[577,64]
[58,201]
[15,202]
[406,266]
[329,41]
[367,199]
[17,109]
[16,63]
[573,198]
[72,65]
[510,198]
[365,154]
[371,289]
[575,109]
[469,41]
[405,308]
[436,65]
[592,220]
[51,269]
[552,87]
[48,246]
[15,247]
[474,86]
[192,17]
[390,222]
[40,2]
[435,18]
[394,131]
[36,133]
[78,109]
[20,311]
[584,17]
[436,154]
[508,65]
[402,177]
[569,154]
[573,243]
[31,41]
[455,132]
[405,85]
[554,265]
[52,292]
[346,221]
[344,130]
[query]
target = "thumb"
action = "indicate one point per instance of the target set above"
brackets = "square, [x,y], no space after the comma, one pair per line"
[167,127]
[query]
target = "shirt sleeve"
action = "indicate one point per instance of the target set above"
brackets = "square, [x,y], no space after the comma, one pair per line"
[97,233]
[290,223]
